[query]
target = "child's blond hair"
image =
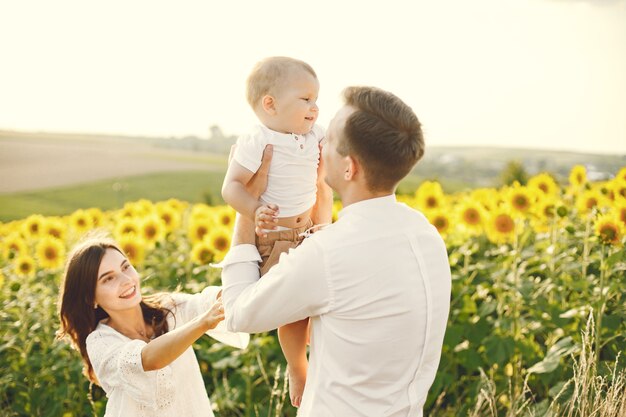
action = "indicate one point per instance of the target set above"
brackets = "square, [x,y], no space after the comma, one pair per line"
[267,74]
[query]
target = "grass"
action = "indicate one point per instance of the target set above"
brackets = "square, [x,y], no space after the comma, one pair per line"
[192,186]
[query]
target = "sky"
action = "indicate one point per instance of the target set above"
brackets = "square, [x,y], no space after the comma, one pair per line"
[547,74]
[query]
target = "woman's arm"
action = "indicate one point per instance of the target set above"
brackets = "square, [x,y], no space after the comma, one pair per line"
[163,350]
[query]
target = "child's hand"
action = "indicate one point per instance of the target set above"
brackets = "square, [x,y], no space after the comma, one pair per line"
[265,218]
[215,314]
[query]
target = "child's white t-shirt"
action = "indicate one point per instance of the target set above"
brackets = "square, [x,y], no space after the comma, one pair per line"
[292,178]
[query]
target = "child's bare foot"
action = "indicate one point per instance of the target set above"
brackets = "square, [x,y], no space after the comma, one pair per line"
[297,380]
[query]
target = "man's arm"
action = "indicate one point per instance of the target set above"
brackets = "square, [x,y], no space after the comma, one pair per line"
[295,288]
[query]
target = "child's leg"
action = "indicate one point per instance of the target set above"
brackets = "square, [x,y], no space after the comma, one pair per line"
[293,339]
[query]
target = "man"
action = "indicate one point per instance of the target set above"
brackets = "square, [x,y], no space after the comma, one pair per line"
[375,284]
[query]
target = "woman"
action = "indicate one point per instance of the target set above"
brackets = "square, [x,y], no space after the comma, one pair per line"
[138,348]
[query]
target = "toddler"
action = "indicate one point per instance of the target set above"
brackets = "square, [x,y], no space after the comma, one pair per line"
[283,93]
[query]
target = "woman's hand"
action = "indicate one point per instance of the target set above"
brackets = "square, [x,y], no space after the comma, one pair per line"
[214,315]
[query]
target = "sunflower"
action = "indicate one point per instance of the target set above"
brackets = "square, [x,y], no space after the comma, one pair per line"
[81,221]
[501,226]
[24,266]
[617,188]
[202,253]
[470,215]
[430,196]
[169,217]
[578,176]
[486,197]
[50,252]
[198,228]
[609,229]
[127,226]
[33,226]
[588,200]
[544,183]
[177,205]
[620,209]
[621,174]
[152,229]
[14,246]
[128,210]
[219,241]
[337,206]
[97,216]
[440,220]
[144,207]
[55,227]
[2,279]
[133,247]
[201,211]
[521,199]
[545,214]
[225,216]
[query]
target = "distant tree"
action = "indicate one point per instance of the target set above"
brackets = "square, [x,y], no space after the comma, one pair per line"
[513,171]
[215,133]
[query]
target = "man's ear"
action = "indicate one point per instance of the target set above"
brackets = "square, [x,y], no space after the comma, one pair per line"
[269,104]
[351,168]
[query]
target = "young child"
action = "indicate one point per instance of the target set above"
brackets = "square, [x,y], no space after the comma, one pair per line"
[283,93]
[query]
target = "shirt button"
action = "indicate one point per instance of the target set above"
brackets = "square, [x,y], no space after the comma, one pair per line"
[301,146]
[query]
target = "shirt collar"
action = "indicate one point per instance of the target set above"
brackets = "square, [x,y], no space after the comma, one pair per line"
[368,204]
[276,133]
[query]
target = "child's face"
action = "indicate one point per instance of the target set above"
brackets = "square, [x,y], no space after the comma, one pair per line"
[295,103]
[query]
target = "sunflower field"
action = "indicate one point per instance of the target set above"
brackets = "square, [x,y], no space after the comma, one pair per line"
[536,327]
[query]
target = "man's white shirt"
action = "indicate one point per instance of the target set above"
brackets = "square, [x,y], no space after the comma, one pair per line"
[376,285]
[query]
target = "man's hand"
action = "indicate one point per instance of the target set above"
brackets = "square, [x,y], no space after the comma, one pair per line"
[265,218]
[258,183]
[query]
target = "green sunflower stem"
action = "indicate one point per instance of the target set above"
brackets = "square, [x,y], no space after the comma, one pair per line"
[601,304]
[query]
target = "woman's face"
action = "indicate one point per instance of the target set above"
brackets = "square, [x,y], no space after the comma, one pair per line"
[117,286]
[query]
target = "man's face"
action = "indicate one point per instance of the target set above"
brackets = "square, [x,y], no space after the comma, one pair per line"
[336,164]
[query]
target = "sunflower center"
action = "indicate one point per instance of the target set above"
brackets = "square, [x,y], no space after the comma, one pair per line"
[471,216]
[50,253]
[591,202]
[431,202]
[201,231]
[205,255]
[25,267]
[225,220]
[608,233]
[221,244]
[150,231]
[520,202]
[504,223]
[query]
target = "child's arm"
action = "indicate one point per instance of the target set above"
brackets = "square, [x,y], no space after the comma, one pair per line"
[322,212]
[234,190]
[240,191]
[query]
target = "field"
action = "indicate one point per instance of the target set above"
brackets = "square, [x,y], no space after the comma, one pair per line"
[55,174]
[520,304]
[537,324]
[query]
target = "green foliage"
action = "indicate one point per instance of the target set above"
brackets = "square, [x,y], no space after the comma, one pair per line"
[517,313]
[513,172]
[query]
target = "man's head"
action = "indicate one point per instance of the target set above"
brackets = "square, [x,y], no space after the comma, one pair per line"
[283,91]
[379,133]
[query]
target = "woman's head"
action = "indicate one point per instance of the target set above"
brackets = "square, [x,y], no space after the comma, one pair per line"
[99,280]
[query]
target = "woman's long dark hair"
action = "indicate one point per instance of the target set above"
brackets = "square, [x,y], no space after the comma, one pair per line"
[77,298]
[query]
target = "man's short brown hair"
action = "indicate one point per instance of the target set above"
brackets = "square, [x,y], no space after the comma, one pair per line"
[383,134]
[268,74]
